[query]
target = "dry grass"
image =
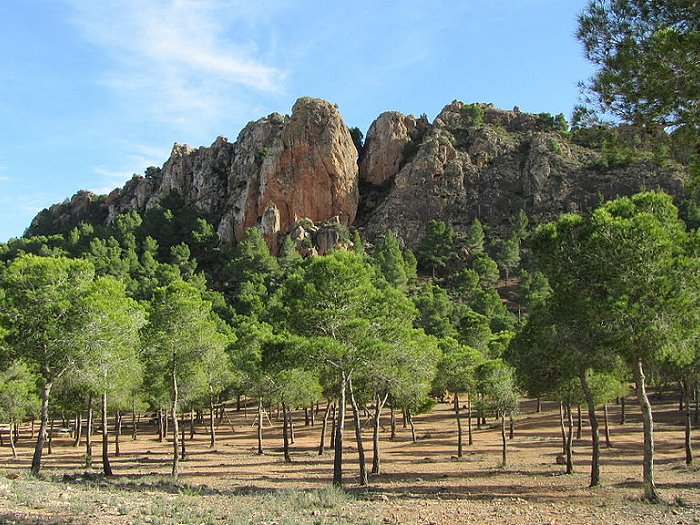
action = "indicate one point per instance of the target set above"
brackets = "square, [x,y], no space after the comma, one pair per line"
[421,482]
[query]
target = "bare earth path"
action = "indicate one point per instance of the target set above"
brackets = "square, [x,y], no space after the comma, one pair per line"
[421,483]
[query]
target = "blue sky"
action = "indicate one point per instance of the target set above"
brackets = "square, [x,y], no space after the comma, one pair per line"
[92,91]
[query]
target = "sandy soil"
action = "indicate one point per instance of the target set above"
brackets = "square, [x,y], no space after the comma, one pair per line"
[423,482]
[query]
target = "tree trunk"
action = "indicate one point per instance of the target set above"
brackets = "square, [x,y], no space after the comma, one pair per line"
[539,405]
[12,439]
[622,410]
[313,415]
[459,425]
[106,467]
[53,421]
[376,459]
[261,451]
[41,439]
[569,449]
[88,434]
[117,434]
[413,427]
[650,492]
[161,426]
[595,434]
[511,429]
[688,426]
[324,427]
[364,481]
[339,422]
[579,421]
[183,441]
[78,429]
[134,425]
[504,442]
[561,427]
[191,423]
[470,439]
[606,425]
[173,416]
[307,420]
[334,425]
[285,433]
[212,427]
[393,422]
[291,426]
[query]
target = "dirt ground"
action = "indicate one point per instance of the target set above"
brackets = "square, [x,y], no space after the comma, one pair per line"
[422,482]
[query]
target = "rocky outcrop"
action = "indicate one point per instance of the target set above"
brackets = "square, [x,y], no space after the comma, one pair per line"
[279,169]
[506,162]
[386,144]
[472,161]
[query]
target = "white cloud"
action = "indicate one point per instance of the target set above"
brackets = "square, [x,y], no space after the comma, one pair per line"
[178,60]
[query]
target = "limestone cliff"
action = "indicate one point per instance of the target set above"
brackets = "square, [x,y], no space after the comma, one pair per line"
[456,170]
[280,168]
[305,166]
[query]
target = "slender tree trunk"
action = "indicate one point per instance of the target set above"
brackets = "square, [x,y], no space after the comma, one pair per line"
[511,427]
[459,426]
[539,405]
[285,433]
[622,410]
[307,419]
[313,415]
[41,439]
[579,422]
[173,415]
[324,427]
[291,426]
[106,467]
[696,418]
[404,419]
[88,434]
[606,426]
[191,423]
[260,426]
[569,449]
[53,421]
[595,434]
[562,428]
[650,492]
[339,428]
[413,427]
[212,427]
[13,427]
[2,441]
[470,439]
[334,424]
[364,481]
[117,434]
[183,441]
[161,426]
[392,416]
[688,426]
[134,424]
[504,442]
[78,429]
[376,459]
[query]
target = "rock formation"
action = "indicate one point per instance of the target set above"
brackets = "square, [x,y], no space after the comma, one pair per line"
[305,166]
[279,169]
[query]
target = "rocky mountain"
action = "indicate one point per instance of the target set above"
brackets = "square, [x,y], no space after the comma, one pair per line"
[472,161]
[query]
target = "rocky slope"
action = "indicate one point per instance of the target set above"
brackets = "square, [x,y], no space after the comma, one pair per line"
[305,165]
